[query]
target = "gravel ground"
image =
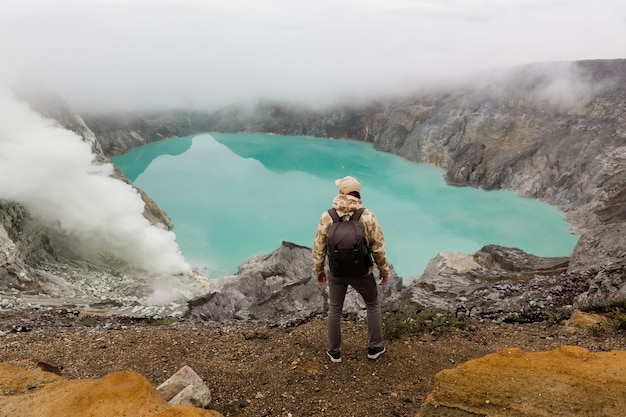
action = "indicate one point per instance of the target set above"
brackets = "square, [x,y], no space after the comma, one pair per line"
[261,370]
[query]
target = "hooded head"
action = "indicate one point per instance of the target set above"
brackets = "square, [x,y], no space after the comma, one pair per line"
[348,185]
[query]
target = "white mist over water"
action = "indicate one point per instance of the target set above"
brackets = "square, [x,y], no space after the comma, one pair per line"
[51,172]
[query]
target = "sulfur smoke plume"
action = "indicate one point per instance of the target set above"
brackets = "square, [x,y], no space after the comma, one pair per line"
[51,172]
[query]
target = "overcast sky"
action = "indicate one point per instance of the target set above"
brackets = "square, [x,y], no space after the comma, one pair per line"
[131,54]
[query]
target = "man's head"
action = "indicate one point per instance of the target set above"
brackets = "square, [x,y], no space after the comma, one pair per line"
[348,184]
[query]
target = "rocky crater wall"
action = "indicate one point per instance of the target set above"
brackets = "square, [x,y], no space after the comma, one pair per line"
[553,132]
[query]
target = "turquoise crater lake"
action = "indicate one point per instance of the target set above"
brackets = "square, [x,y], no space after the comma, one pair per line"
[234,196]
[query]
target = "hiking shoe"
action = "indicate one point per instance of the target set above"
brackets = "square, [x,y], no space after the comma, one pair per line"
[334,357]
[374,353]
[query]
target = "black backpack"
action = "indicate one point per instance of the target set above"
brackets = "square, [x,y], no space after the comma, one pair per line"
[346,247]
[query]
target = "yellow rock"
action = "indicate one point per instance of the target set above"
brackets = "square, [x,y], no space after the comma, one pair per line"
[27,393]
[565,382]
[588,320]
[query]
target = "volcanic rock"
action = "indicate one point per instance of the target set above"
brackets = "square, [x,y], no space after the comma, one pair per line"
[568,381]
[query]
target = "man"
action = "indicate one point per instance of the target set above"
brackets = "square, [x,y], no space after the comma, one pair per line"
[346,203]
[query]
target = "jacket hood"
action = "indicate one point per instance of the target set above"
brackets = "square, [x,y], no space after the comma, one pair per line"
[346,204]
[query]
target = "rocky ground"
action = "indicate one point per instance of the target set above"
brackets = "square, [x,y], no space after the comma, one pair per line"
[260,370]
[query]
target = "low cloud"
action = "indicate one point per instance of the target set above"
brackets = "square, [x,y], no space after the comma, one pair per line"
[564,84]
[137,54]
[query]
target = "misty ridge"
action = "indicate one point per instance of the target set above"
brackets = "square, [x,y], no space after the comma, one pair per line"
[563,84]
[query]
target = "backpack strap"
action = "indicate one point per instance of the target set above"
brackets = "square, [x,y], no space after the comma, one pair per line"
[334,215]
[355,216]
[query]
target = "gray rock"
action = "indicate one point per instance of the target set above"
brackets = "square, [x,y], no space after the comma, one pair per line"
[607,287]
[279,288]
[7,249]
[493,280]
[185,388]
[600,246]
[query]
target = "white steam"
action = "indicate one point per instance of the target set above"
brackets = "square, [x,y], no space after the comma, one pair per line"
[50,171]
[562,84]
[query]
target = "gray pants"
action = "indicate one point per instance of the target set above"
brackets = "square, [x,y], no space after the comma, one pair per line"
[368,289]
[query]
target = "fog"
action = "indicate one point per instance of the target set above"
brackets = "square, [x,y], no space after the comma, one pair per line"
[139,54]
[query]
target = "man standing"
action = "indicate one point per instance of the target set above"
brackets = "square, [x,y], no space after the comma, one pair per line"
[346,203]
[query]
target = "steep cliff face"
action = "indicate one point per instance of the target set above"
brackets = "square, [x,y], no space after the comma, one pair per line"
[565,147]
[118,133]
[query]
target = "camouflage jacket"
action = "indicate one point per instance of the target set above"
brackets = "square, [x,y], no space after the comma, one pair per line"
[345,206]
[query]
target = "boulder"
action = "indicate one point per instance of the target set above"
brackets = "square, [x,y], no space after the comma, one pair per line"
[185,387]
[573,381]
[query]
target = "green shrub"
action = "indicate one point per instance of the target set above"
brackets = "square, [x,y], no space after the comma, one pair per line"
[597,330]
[553,316]
[409,320]
[620,318]
[89,321]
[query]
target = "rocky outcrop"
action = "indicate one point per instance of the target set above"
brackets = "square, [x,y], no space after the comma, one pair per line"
[509,284]
[573,381]
[491,281]
[279,288]
[607,287]
[601,245]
